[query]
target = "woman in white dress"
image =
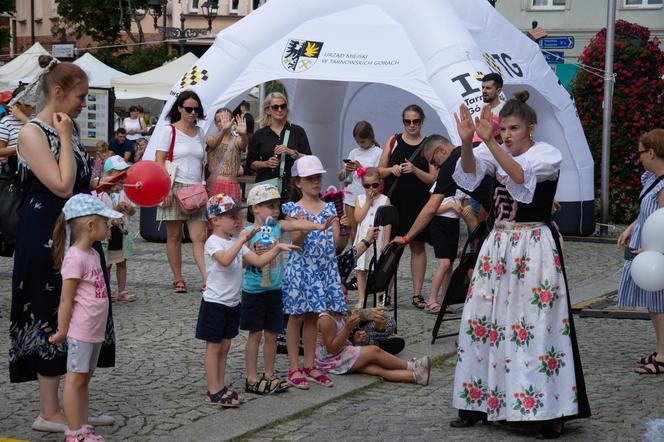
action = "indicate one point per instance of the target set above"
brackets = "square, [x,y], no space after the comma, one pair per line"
[517,359]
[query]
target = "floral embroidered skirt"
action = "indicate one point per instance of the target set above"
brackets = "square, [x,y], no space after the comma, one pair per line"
[515,358]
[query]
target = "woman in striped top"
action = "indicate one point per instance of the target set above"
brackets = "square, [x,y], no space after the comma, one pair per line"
[10,126]
[651,154]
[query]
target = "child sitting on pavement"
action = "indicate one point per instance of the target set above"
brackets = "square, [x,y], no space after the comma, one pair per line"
[219,314]
[335,354]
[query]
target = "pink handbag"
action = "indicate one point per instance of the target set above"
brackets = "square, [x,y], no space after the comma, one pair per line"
[191,199]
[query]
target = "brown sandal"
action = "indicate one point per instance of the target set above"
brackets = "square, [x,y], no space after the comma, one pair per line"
[418,302]
[179,286]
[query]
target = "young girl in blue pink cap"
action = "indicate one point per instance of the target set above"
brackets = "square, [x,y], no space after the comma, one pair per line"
[311,279]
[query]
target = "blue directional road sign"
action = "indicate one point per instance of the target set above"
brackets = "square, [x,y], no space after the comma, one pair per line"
[566,42]
[554,57]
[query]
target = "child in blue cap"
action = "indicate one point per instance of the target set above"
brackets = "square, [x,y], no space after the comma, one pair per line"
[225,254]
[83,309]
[121,242]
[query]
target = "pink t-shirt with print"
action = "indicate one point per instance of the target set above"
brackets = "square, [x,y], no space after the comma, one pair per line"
[90,313]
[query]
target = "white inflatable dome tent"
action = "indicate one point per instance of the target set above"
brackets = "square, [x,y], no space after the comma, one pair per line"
[347,60]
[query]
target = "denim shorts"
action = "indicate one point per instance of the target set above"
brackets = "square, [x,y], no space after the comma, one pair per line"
[82,356]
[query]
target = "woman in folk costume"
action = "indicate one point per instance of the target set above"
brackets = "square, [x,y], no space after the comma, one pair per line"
[518,358]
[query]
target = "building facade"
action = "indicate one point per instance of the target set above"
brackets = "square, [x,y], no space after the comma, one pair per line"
[580,19]
[35,18]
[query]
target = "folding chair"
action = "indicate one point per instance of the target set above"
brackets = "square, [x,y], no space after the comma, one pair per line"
[383,270]
[458,288]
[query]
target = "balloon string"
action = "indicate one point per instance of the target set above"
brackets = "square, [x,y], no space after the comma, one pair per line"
[137,185]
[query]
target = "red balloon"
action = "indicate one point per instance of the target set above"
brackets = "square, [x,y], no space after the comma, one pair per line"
[147,183]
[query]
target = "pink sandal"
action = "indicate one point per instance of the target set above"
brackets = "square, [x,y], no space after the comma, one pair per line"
[297,379]
[126,296]
[321,379]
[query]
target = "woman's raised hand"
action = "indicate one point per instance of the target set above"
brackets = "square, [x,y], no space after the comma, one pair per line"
[484,124]
[465,126]
[241,125]
[62,124]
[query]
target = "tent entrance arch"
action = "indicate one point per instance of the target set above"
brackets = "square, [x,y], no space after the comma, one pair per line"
[436,51]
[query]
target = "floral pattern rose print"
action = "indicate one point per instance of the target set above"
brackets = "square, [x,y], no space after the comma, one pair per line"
[514,238]
[500,267]
[528,401]
[551,362]
[536,234]
[484,267]
[556,261]
[545,295]
[469,293]
[495,400]
[521,267]
[478,329]
[522,333]
[473,392]
[496,334]
[565,330]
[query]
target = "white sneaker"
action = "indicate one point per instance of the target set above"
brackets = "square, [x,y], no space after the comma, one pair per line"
[101,420]
[421,370]
[41,424]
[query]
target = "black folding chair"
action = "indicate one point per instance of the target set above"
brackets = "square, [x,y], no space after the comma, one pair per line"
[383,271]
[458,288]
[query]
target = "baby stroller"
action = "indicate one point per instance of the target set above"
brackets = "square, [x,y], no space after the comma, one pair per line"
[458,288]
[383,271]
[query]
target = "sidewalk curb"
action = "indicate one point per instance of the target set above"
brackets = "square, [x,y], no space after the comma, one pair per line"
[261,412]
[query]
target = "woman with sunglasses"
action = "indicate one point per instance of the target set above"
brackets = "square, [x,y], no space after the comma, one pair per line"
[188,143]
[407,183]
[270,142]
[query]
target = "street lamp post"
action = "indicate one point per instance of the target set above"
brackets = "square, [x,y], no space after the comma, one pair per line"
[158,8]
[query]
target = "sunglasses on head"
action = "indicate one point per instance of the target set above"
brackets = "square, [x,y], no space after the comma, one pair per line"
[415,122]
[190,110]
[371,185]
[275,107]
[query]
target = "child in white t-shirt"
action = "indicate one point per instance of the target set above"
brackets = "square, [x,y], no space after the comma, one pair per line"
[367,154]
[219,314]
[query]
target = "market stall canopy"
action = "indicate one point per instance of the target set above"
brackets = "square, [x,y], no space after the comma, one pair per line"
[156,83]
[25,65]
[99,74]
[366,59]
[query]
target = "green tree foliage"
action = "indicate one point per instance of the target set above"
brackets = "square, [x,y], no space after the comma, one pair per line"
[638,106]
[103,20]
[5,6]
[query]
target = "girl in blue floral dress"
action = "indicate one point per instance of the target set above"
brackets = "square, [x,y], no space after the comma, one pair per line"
[311,283]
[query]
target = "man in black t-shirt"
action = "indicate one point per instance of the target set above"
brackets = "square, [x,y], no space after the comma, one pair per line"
[440,152]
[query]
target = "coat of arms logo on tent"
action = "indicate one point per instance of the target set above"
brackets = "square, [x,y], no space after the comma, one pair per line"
[301,55]
[193,76]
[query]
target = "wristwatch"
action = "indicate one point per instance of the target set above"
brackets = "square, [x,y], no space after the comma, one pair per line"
[365,242]
[295,154]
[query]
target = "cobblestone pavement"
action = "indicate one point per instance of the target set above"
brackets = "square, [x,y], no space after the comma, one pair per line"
[158,386]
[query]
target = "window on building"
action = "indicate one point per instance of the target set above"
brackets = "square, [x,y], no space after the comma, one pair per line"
[193,6]
[233,6]
[548,4]
[643,3]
